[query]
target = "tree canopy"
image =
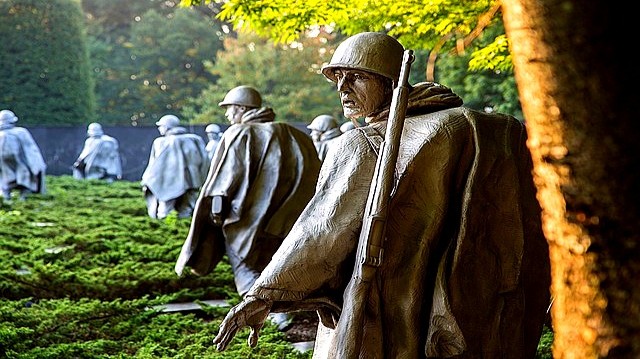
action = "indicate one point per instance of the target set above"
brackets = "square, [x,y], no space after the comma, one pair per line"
[442,25]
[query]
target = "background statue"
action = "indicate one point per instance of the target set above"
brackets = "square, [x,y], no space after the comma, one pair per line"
[349,125]
[99,158]
[22,166]
[465,267]
[323,129]
[214,134]
[177,167]
[262,176]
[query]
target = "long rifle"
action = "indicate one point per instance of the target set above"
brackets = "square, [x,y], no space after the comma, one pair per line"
[370,251]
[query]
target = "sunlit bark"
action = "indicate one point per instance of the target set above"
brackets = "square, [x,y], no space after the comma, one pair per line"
[575,85]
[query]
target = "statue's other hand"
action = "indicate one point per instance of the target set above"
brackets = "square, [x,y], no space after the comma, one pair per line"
[251,312]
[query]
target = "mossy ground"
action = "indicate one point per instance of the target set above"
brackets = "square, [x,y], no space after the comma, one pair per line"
[83,267]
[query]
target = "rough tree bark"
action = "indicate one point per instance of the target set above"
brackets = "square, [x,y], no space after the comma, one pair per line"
[577,82]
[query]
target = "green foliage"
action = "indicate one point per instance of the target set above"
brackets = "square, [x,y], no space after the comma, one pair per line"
[288,78]
[494,56]
[149,57]
[44,63]
[169,53]
[89,238]
[90,328]
[85,272]
[546,342]
[490,88]
[418,25]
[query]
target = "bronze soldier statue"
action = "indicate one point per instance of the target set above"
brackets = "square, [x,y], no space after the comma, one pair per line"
[459,266]
[262,175]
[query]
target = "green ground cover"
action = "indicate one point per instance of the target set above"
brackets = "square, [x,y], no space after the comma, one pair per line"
[83,268]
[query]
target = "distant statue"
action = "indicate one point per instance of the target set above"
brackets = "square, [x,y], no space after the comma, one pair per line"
[99,158]
[177,168]
[459,267]
[262,176]
[22,166]
[323,128]
[214,134]
[347,126]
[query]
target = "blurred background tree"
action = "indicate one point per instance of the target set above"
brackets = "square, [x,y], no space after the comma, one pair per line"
[287,76]
[149,56]
[44,63]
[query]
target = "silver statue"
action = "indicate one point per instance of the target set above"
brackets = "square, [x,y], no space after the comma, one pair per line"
[22,166]
[324,128]
[177,167]
[99,158]
[458,266]
[214,134]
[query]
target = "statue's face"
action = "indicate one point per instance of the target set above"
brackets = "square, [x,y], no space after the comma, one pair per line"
[234,113]
[162,129]
[361,92]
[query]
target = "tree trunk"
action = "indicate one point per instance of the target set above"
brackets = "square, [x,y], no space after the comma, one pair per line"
[578,87]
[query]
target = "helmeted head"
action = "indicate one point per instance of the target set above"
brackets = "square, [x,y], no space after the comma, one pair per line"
[7,117]
[240,100]
[212,128]
[167,122]
[213,131]
[242,96]
[374,52]
[364,68]
[323,123]
[94,129]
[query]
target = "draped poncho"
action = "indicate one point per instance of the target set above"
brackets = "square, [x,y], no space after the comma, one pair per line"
[465,269]
[21,162]
[266,173]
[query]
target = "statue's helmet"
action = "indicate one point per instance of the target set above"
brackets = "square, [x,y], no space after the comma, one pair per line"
[323,123]
[368,51]
[347,126]
[94,129]
[7,116]
[212,128]
[168,121]
[242,96]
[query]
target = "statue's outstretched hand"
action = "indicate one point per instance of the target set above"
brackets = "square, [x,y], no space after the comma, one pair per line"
[251,312]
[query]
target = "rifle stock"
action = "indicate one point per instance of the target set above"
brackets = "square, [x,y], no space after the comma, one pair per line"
[369,255]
